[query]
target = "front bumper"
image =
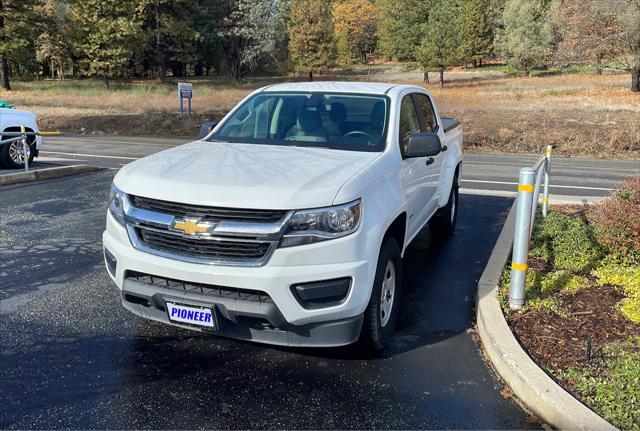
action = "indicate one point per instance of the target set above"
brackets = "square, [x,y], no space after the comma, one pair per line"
[282,320]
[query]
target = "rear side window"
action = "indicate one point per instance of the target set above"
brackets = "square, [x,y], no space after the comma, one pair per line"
[428,115]
[409,123]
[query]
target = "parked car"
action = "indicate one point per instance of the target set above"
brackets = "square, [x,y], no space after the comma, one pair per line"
[12,154]
[287,223]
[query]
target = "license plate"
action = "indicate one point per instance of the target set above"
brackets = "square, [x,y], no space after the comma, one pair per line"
[191,315]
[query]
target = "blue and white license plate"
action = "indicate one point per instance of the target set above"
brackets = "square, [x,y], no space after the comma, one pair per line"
[191,315]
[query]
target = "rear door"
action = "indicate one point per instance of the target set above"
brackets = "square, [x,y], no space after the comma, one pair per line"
[429,123]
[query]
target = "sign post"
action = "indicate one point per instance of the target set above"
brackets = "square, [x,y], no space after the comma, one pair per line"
[185,91]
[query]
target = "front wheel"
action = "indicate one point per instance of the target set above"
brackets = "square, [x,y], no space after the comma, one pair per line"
[443,223]
[13,155]
[382,312]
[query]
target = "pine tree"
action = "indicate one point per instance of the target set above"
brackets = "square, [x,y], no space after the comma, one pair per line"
[477,30]
[400,26]
[107,33]
[311,44]
[440,47]
[527,34]
[19,26]
[169,32]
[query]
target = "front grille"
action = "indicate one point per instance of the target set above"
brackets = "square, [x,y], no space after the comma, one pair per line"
[209,213]
[209,249]
[200,288]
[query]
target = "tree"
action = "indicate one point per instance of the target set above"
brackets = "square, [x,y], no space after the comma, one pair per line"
[527,34]
[53,45]
[311,44]
[626,14]
[584,33]
[441,46]
[19,21]
[106,35]
[248,36]
[477,30]
[355,23]
[169,31]
[400,26]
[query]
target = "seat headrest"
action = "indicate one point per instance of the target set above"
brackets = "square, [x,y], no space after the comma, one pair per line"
[309,120]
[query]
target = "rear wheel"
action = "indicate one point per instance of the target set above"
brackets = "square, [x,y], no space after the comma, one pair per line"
[13,155]
[443,223]
[382,312]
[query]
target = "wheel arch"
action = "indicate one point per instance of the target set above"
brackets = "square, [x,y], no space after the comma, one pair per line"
[398,230]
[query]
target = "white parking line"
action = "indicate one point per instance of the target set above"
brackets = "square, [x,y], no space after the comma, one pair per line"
[89,155]
[560,164]
[101,141]
[553,199]
[551,185]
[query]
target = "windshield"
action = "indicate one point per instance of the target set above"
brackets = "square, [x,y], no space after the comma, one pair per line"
[340,121]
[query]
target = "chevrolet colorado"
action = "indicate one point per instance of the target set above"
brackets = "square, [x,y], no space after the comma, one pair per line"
[287,223]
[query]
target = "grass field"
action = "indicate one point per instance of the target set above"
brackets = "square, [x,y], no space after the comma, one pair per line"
[581,114]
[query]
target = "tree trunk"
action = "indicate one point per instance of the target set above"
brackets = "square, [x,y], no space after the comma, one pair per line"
[4,72]
[441,78]
[480,63]
[311,76]
[425,77]
[475,63]
[198,70]
[635,79]
[162,72]
[105,81]
[53,69]
[599,65]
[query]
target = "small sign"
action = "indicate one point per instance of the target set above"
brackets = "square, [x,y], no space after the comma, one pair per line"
[185,90]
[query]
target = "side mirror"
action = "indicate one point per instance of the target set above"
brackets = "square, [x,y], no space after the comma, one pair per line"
[206,128]
[423,145]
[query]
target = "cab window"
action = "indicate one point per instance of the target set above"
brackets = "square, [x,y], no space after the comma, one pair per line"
[428,115]
[409,123]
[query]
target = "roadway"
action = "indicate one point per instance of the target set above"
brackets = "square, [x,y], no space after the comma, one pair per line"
[481,173]
[72,357]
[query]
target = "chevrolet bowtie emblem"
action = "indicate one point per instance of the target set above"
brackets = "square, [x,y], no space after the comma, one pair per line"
[192,226]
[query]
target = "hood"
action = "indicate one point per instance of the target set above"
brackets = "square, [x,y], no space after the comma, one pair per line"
[18,112]
[243,175]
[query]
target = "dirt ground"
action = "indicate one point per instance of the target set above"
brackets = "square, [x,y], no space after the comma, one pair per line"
[581,114]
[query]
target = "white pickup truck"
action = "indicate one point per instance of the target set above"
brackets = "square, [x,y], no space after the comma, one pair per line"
[12,154]
[287,223]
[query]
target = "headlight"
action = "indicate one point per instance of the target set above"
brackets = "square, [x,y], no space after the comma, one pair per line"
[116,209]
[309,226]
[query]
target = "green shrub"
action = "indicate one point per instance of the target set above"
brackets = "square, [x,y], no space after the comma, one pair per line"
[565,242]
[627,277]
[617,222]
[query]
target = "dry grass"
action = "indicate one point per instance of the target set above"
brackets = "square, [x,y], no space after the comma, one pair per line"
[580,114]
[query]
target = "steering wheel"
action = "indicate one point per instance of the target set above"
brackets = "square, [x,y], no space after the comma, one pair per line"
[371,139]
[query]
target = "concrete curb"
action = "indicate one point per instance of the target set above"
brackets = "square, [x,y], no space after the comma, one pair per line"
[45,174]
[535,388]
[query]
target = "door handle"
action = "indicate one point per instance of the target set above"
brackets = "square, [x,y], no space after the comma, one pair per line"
[430,161]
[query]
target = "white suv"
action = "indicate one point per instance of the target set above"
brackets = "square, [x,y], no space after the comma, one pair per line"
[287,223]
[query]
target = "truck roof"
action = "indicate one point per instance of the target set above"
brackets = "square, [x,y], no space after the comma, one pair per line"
[334,87]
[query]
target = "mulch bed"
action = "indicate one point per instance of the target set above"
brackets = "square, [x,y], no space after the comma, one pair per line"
[590,321]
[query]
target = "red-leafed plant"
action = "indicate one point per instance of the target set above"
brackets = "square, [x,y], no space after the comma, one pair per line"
[617,221]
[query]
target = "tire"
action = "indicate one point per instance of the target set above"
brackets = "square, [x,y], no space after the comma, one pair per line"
[11,154]
[443,224]
[381,316]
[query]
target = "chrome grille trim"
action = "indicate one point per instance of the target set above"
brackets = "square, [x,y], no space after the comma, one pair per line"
[214,248]
[206,212]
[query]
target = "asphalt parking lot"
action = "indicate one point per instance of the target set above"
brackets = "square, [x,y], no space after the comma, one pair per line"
[72,357]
